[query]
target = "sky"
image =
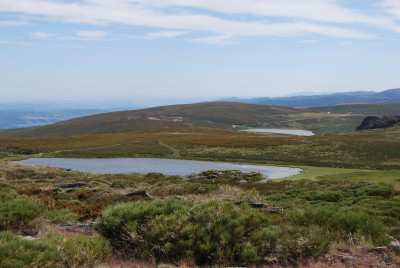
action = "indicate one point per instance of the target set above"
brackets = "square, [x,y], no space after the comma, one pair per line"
[196,48]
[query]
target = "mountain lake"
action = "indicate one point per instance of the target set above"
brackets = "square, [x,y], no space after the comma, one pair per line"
[146,165]
[297,132]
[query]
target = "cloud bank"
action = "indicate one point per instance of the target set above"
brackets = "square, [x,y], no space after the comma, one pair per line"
[216,21]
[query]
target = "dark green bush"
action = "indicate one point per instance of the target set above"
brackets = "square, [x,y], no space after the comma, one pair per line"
[138,227]
[15,252]
[18,212]
[328,196]
[377,190]
[210,232]
[222,231]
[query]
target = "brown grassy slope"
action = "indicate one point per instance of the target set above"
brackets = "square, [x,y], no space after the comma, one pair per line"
[212,114]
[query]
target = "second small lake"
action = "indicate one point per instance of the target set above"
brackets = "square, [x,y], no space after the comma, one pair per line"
[297,132]
[146,165]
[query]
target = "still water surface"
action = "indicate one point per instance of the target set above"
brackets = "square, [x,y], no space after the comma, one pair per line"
[297,132]
[165,166]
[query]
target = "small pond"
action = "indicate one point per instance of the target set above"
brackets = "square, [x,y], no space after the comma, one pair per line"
[297,132]
[146,165]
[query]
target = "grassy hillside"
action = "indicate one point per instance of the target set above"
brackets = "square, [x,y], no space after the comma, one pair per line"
[366,109]
[213,114]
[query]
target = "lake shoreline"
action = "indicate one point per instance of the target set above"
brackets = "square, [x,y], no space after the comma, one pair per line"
[162,165]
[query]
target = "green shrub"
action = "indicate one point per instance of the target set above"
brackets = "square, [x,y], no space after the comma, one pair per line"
[18,212]
[210,232]
[6,186]
[81,250]
[58,216]
[377,190]
[144,229]
[328,196]
[219,231]
[16,252]
[344,222]
[297,242]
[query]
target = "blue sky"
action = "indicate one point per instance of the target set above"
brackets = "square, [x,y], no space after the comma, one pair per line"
[196,48]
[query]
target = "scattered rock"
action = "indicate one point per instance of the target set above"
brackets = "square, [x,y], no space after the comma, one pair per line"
[366,182]
[271,208]
[265,179]
[138,193]
[104,182]
[234,175]
[380,249]
[394,245]
[88,218]
[70,185]
[31,232]
[86,227]
[29,238]
[180,197]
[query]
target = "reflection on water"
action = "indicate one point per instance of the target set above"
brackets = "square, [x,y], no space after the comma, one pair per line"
[165,166]
[297,132]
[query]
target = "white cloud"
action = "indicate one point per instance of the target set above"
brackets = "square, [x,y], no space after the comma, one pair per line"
[311,41]
[167,34]
[9,23]
[41,35]
[297,17]
[214,40]
[392,7]
[91,34]
[4,41]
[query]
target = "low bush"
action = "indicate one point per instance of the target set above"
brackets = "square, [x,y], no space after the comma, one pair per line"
[211,232]
[18,212]
[343,222]
[60,216]
[81,250]
[16,252]
[377,190]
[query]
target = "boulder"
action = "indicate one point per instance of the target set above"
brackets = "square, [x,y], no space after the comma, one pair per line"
[138,193]
[70,185]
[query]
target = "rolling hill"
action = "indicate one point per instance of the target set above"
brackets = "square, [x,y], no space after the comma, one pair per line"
[366,109]
[213,114]
[387,96]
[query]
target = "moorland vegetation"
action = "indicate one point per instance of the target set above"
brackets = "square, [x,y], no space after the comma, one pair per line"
[344,209]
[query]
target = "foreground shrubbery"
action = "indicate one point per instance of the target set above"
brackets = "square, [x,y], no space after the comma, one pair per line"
[18,212]
[15,252]
[344,223]
[81,250]
[221,232]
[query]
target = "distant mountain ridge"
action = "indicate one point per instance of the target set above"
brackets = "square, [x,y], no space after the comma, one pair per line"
[387,96]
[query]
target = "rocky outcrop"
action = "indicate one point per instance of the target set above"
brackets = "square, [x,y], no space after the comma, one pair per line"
[372,122]
[70,185]
[231,175]
[138,193]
